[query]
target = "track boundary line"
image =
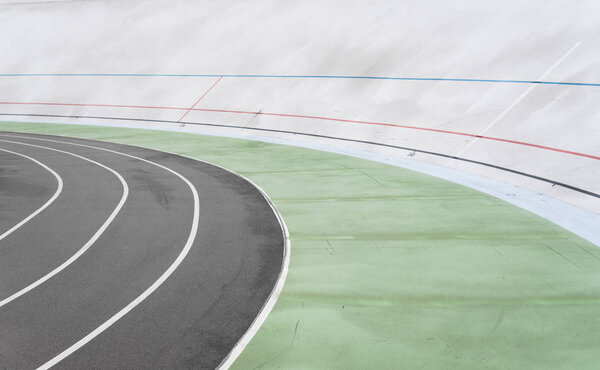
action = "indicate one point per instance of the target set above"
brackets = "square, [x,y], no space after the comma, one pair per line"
[492,138]
[539,178]
[45,205]
[438,79]
[89,243]
[264,312]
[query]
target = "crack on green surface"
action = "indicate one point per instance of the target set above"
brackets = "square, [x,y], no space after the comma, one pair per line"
[331,247]
[372,178]
[563,256]
[285,350]
[497,324]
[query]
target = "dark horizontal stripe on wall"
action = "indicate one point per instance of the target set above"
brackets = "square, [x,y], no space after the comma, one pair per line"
[550,181]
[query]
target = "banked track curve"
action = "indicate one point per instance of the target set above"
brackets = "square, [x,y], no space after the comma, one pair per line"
[440,154]
[228,267]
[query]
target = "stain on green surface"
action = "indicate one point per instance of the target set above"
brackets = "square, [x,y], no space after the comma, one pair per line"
[395,269]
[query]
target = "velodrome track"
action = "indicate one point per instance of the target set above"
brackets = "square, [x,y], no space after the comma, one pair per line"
[390,268]
[155,252]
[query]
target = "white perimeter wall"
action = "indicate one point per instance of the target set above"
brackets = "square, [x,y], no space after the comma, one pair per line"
[516,40]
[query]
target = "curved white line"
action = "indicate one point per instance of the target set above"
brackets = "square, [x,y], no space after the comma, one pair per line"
[89,243]
[272,299]
[266,309]
[273,296]
[188,245]
[239,347]
[45,205]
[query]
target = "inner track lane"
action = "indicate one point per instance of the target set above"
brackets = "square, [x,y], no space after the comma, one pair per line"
[59,189]
[193,318]
[39,245]
[89,243]
[186,248]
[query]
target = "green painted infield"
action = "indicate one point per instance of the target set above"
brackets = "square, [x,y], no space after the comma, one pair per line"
[395,269]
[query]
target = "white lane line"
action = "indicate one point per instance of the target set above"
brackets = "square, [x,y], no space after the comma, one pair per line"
[89,243]
[266,309]
[518,100]
[188,245]
[275,293]
[45,205]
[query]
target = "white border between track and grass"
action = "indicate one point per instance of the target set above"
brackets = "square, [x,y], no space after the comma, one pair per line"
[89,243]
[59,189]
[239,347]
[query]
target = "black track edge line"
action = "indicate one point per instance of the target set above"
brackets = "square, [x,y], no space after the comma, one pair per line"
[549,181]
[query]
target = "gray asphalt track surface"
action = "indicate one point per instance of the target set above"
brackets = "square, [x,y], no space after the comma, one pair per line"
[192,320]
[24,187]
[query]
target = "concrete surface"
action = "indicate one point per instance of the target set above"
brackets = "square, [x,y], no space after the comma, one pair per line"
[512,40]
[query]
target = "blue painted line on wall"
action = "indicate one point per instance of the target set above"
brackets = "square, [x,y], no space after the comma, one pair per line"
[298,76]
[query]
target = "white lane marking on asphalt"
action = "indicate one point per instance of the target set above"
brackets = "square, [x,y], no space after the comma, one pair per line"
[275,293]
[266,309]
[89,243]
[45,205]
[188,245]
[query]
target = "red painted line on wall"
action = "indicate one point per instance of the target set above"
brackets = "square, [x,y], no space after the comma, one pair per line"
[202,97]
[408,127]
[317,118]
